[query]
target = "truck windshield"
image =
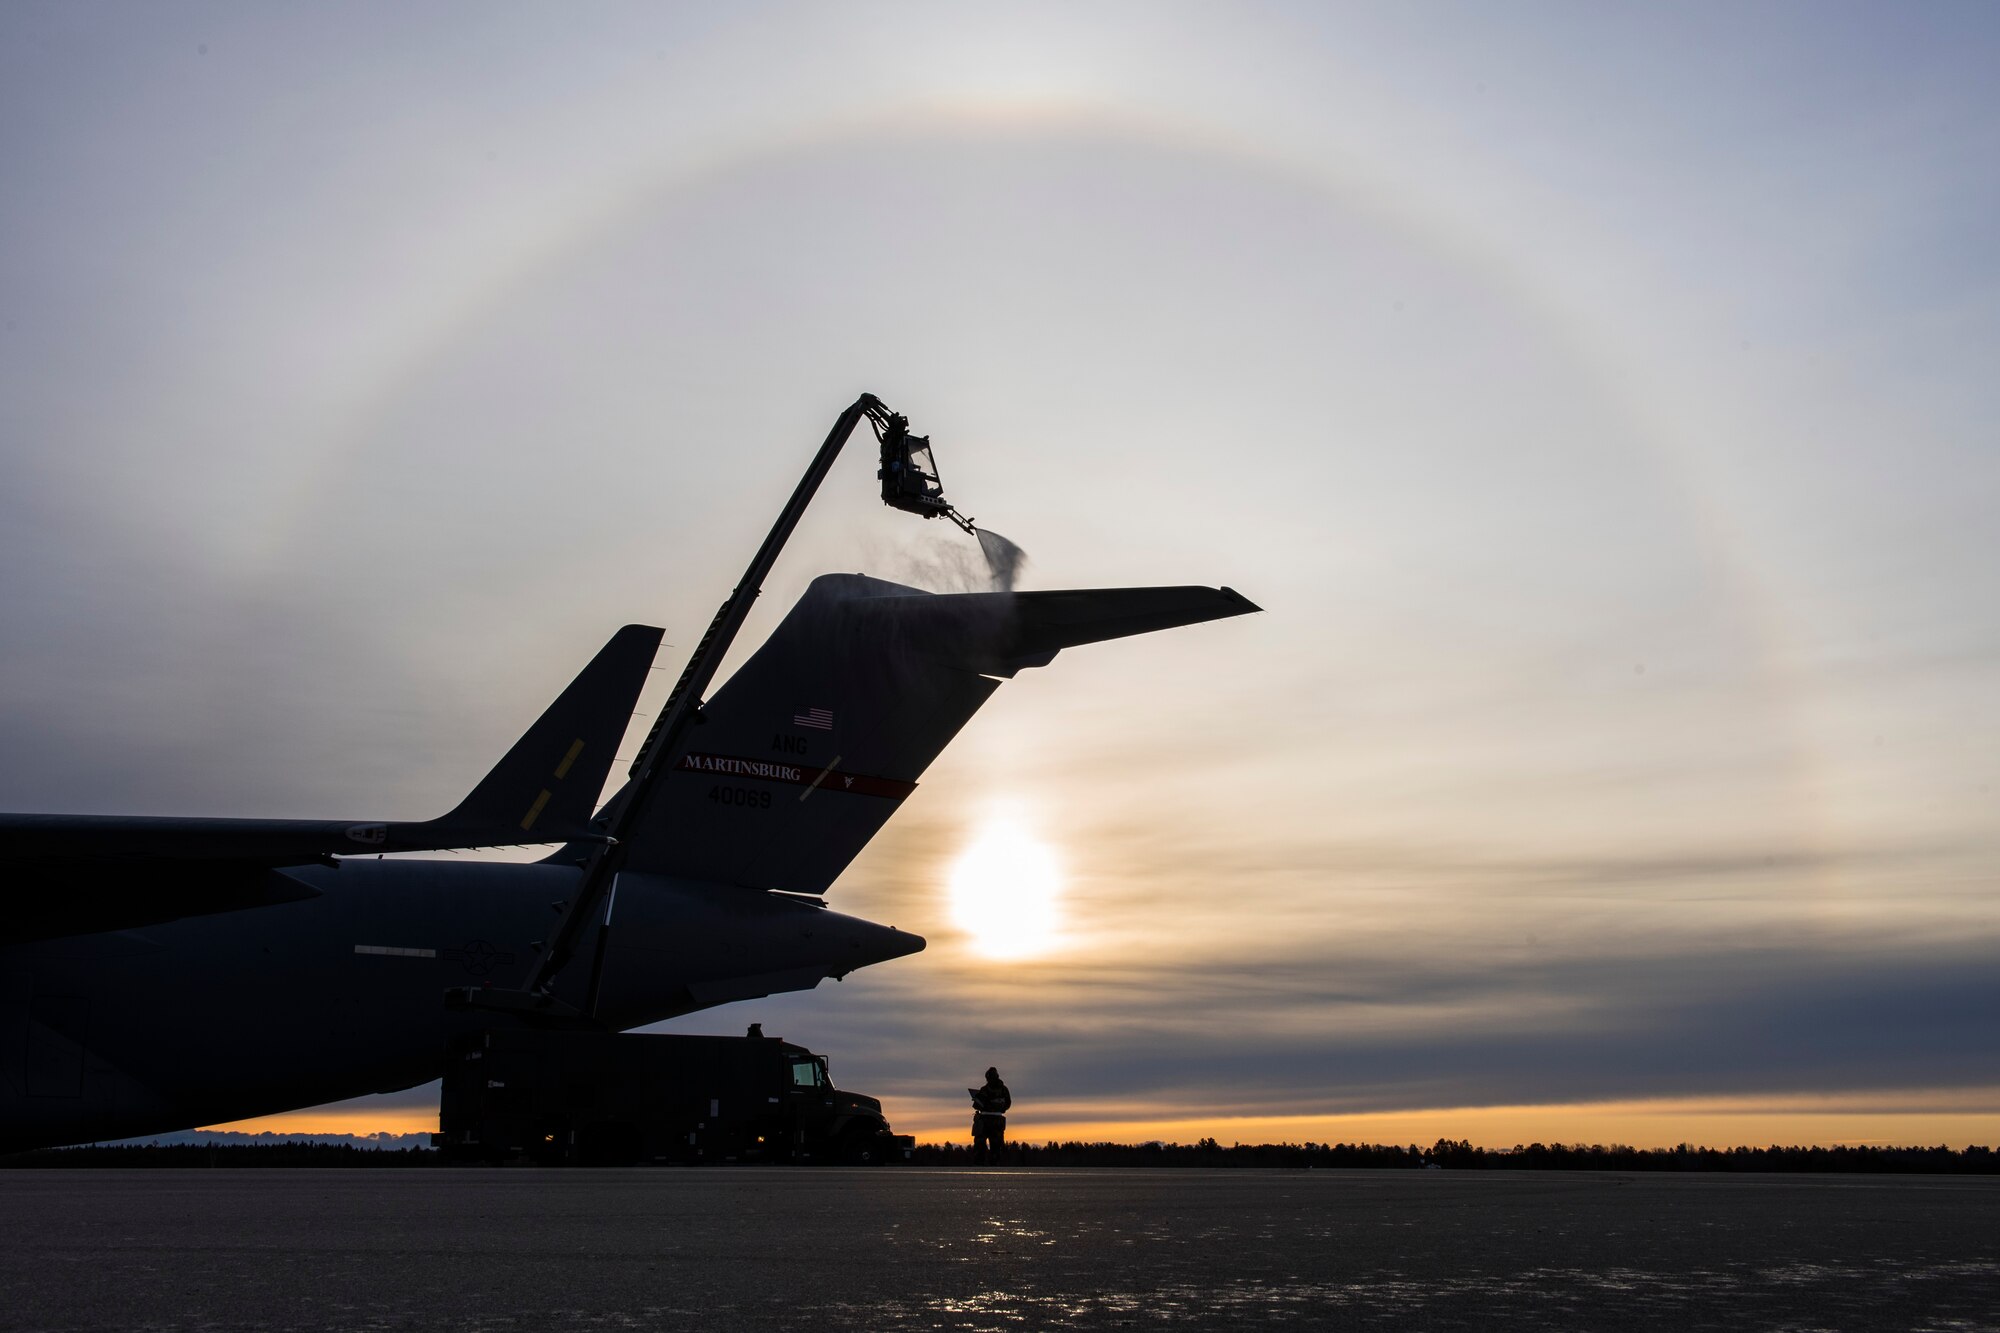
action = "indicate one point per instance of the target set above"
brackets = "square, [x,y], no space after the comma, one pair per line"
[805,1073]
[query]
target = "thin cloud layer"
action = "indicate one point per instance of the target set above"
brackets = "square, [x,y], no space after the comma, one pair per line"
[1599,404]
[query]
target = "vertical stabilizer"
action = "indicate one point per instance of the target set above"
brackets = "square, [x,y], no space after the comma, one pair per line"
[809,749]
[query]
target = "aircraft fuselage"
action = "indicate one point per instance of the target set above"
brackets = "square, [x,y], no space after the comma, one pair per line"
[223,1017]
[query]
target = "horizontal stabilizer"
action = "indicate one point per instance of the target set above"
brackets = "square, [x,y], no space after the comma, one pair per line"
[817,739]
[999,633]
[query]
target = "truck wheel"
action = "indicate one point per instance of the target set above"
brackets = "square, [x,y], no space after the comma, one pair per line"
[609,1143]
[863,1147]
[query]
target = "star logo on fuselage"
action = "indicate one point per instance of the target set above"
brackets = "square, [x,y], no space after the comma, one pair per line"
[478,957]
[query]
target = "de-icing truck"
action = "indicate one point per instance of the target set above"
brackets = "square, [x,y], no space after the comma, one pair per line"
[569,1098]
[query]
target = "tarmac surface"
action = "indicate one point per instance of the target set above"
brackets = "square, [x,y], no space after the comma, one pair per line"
[908,1248]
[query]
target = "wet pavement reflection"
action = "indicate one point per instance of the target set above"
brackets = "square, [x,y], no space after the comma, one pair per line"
[897,1248]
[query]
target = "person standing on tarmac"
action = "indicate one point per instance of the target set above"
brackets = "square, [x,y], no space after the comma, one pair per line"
[989,1118]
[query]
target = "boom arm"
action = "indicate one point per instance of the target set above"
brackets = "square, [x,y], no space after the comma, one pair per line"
[909,482]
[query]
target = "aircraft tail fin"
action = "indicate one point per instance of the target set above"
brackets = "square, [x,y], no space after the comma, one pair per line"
[546,787]
[809,748]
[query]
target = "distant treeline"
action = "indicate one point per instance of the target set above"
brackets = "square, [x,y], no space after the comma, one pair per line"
[1445,1154]
[1459,1155]
[223,1155]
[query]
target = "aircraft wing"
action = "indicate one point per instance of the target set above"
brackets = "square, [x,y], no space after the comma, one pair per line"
[112,872]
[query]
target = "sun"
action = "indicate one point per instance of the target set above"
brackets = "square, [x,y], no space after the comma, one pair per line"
[1004,890]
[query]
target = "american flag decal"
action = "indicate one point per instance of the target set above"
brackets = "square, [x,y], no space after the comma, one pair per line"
[819,719]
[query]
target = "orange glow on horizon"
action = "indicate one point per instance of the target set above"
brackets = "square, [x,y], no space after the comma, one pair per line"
[1952,1118]
[1956,1117]
[332,1120]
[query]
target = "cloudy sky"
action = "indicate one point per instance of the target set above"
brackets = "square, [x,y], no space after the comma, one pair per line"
[1599,400]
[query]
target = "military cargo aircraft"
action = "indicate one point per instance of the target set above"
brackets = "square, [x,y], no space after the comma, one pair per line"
[158,974]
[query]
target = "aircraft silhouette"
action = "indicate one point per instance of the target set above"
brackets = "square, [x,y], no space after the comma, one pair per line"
[158,974]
